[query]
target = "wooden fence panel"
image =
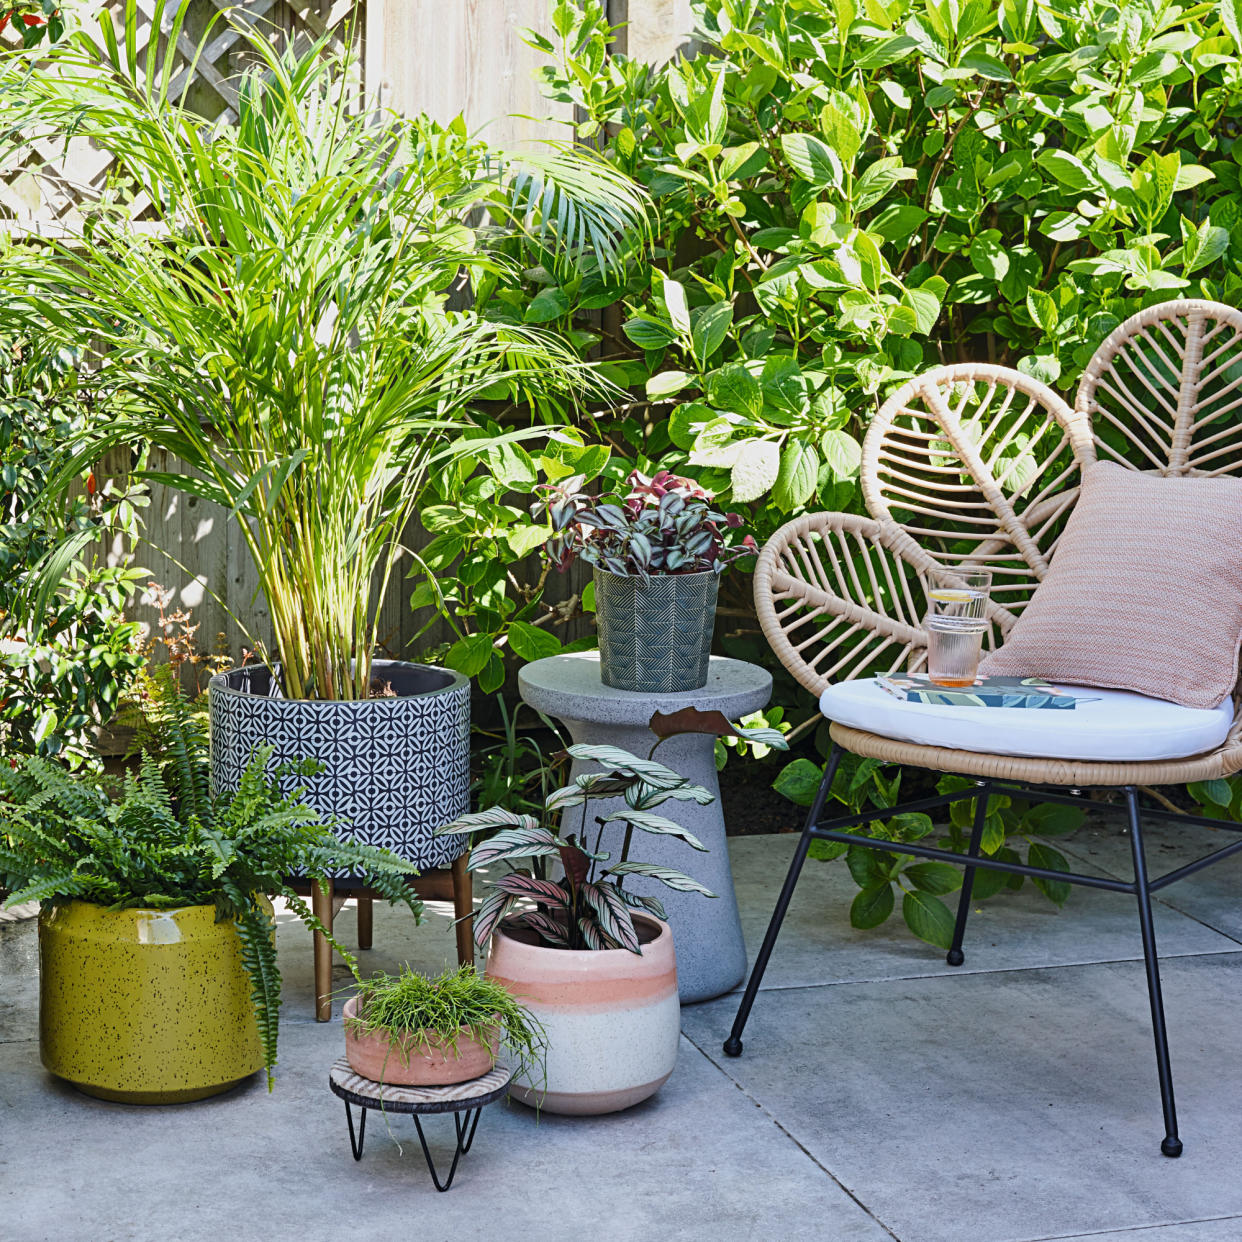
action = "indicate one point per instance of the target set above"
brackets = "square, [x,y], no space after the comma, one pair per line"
[464,57]
[40,192]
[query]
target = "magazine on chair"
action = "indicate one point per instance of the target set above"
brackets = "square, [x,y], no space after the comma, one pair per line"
[1029,692]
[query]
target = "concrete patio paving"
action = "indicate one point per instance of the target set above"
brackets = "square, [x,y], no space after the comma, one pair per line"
[881,1095]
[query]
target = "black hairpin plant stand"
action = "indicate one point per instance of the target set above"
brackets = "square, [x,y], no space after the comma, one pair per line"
[465,1100]
[1141,887]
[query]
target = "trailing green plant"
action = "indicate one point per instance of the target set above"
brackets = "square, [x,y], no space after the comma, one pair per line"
[1011,824]
[165,840]
[662,525]
[66,675]
[456,1003]
[278,321]
[589,907]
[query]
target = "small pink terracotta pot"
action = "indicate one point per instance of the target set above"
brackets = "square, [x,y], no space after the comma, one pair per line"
[415,1061]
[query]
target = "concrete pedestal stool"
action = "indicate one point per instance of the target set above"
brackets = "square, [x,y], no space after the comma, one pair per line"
[707,933]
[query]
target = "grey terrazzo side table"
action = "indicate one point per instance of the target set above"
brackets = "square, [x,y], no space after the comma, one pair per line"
[707,933]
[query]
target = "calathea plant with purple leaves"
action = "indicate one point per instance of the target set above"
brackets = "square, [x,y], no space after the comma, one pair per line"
[588,906]
[663,525]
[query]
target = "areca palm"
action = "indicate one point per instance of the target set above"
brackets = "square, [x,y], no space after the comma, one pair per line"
[279,321]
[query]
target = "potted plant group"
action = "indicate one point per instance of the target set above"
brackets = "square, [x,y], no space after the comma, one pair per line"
[593,961]
[278,330]
[657,552]
[407,1029]
[158,980]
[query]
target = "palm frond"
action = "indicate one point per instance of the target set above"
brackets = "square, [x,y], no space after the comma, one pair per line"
[282,328]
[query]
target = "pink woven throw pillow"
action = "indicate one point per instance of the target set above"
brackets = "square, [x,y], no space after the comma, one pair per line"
[1144,591]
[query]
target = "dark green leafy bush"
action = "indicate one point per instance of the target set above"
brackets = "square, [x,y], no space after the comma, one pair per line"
[66,674]
[851,191]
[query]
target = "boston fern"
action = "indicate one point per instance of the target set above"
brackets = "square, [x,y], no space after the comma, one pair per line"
[167,841]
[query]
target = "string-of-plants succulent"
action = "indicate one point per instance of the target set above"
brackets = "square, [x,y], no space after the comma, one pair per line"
[165,840]
[410,1007]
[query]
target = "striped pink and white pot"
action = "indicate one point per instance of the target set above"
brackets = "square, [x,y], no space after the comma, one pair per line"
[612,1018]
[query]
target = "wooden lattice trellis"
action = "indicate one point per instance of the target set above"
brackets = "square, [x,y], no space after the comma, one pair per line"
[40,191]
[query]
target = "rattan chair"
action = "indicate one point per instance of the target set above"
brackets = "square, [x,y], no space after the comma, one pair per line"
[979,465]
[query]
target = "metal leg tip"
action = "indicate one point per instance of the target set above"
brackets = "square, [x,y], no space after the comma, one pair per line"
[1172,1147]
[733,1046]
[955,957]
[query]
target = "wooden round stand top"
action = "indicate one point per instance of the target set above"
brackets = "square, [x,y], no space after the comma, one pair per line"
[467,1098]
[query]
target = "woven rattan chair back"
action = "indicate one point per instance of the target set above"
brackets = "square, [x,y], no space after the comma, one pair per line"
[979,465]
[1164,391]
[967,464]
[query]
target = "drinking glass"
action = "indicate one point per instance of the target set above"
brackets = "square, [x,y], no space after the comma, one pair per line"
[956,622]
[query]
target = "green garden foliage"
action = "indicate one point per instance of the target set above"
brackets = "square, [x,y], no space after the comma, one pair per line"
[68,673]
[851,191]
[411,1009]
[279,320]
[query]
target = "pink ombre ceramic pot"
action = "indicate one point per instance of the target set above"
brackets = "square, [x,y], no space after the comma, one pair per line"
[612,1017]
[415,1062]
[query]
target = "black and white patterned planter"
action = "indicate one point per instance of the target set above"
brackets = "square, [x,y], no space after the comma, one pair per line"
[655,636]
[395,768]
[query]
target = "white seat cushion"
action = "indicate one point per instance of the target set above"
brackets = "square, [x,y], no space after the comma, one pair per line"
[1116,725]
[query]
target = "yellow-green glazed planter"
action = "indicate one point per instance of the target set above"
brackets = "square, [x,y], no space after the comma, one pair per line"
[144,1006]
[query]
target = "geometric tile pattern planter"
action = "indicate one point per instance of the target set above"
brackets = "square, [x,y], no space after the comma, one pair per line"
[394,768]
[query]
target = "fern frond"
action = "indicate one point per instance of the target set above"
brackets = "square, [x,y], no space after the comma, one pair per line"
[60,884]
[257,932]
[307,915]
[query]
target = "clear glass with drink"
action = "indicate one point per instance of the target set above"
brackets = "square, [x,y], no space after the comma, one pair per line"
[956,622]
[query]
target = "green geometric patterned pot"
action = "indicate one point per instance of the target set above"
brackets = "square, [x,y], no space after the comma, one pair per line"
[655,637]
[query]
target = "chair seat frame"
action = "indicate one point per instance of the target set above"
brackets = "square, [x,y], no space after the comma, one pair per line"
[801,583]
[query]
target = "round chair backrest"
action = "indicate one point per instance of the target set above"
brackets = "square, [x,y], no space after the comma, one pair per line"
[1163,392]
[976,465]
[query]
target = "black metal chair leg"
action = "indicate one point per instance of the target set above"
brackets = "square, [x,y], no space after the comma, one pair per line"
[463,1126]
[733,1045]
[1171,1145]
[955,956]
[356,1146]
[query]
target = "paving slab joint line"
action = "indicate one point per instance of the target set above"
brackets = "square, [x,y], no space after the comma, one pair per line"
[1127,1229]
[724,1073]
[999,970]
[1159,900]
[961,971]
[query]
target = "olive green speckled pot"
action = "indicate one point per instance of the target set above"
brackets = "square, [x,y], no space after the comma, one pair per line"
[144,1006]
